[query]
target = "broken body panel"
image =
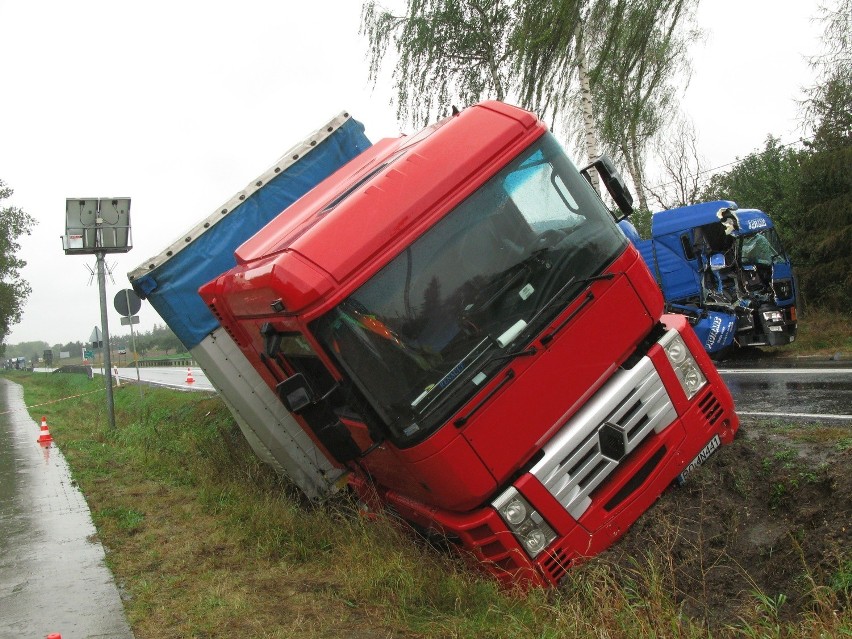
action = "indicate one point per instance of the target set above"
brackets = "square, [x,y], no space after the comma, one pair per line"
[456,319]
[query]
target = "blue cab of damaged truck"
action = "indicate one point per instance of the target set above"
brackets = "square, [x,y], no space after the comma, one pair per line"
[726,269]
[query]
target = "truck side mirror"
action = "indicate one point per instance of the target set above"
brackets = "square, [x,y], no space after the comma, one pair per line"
[613,182]
[295,393]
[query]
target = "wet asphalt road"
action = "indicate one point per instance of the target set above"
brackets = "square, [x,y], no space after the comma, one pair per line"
[801,392]
[52,573]
[171,376]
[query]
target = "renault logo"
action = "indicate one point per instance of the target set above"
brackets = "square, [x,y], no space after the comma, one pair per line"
[611,440]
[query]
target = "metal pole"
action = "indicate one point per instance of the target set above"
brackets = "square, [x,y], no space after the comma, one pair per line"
[133,340]
[105,335]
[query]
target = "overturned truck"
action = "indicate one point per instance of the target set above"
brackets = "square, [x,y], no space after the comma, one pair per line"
[453,324]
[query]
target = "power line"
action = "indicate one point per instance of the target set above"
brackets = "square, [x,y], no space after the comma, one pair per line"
[732,163]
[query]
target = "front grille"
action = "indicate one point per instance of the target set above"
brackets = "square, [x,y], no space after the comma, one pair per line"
[586,450]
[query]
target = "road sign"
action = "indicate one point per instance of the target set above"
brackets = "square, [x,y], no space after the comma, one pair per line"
[133,319]
[127,302]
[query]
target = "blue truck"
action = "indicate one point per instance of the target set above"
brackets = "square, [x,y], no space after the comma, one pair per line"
[723,267]
[726,269]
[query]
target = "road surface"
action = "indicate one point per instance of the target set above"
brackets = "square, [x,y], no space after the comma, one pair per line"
[801,393]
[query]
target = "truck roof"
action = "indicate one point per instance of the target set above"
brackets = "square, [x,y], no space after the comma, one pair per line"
[393,191]
[688,217]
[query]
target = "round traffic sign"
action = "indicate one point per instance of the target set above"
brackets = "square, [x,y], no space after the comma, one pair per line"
[127,302]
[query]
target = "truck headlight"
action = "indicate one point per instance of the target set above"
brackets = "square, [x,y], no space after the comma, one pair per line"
[773,316]
[689,375]
[528,526]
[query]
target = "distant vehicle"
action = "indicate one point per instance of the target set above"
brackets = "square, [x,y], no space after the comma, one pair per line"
[18,363]
[722,267]
[122,351]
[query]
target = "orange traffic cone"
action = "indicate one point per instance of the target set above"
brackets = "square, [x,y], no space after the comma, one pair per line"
[53,635]
[189,378]
[44,435]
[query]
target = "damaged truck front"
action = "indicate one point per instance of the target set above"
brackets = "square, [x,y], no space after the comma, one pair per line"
[726,269]
[456,321]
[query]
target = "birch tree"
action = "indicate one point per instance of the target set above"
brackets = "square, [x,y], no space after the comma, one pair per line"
[448,51]
[641,66]
[611,61]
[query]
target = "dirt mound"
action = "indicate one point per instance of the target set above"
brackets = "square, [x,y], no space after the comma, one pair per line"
[767,519]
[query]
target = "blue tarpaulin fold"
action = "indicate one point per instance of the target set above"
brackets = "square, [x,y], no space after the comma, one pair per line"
[172,287]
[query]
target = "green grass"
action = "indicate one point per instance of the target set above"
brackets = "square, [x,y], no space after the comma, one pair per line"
[208,542]
[820,333]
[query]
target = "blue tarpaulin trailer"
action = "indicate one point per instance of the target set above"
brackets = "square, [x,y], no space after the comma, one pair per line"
[170,282]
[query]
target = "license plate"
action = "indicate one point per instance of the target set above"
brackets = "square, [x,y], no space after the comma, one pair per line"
[700,458]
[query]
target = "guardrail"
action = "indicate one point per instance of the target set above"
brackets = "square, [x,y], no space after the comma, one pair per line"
[148,363]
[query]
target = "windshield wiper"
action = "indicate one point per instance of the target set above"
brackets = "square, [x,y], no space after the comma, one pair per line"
[545,339]
[526,352]
[505,280]
[570,283]
[434,391]
[586,301]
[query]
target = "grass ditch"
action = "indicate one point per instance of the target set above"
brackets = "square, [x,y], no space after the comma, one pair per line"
[821,333]
[206,541]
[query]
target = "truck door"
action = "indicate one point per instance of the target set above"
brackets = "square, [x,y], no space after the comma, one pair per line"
[293,354]
[677,266]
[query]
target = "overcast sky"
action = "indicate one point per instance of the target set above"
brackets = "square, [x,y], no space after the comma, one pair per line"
[179,104]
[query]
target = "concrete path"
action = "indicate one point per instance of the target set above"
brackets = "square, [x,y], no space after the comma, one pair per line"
[52,573]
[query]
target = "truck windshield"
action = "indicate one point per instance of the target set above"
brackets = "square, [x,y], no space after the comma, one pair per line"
[417,338]
[761,248]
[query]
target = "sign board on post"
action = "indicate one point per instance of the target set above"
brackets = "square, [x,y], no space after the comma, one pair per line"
[127,303]
[95,338]
[97,225]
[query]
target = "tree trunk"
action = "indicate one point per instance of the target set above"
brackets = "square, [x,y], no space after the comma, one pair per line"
[592,146]
[633,159]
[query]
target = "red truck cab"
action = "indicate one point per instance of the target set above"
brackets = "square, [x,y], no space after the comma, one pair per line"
[456,318]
